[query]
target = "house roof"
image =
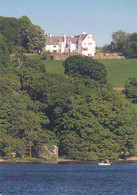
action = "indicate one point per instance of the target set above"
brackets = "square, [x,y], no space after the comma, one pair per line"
[57,40]
[83,36]
[73,39]
[54,40]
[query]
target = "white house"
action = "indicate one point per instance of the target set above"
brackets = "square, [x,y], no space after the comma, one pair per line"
[83,44]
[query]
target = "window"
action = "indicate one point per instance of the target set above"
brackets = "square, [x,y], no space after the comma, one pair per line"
[84,48]
[89,43]
[54,46]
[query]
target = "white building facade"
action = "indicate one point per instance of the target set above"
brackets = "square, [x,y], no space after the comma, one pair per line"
[83,44]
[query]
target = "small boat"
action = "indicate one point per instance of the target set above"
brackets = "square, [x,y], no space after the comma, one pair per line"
[106,163]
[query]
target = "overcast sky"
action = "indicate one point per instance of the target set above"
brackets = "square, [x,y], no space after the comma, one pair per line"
[72,17]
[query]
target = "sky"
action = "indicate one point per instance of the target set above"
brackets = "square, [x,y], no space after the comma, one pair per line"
[72,17]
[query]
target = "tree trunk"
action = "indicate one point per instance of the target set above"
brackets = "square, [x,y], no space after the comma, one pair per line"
[30,148]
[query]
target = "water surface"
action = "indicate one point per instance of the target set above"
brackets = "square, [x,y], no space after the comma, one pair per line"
[68,179]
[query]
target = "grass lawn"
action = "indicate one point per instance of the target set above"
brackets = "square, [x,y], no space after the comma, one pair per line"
[118,70]
[54,66]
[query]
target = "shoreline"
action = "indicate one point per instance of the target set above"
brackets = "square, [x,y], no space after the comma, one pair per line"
[60,160]
[38,161]
[132,158]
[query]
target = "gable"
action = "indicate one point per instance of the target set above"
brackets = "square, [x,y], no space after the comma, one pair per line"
[88,39]
[53,40]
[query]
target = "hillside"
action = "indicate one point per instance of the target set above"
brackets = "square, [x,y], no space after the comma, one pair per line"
[118,70]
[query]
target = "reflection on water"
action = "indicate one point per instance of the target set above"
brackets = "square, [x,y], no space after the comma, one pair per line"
[68,179]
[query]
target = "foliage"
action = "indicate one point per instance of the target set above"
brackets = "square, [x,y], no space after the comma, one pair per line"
[119,40]
[131,46]
[86,67]
[47,55]
[21,33]
[36,65]
[4,55]
[131,89]
[19,56]
[20,121]
[24,23]
[77,111]
[118,43]
[97,124]
[36,38]
[124,43]
[9,27]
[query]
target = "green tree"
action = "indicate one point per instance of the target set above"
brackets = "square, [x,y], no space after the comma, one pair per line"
[87,67]
[131,46]
[131,90]
[24,23]
[81,136]
[36,37]
[37,65]
[19,56]
[22,122]
[119,39]
[9,27]
[4,55]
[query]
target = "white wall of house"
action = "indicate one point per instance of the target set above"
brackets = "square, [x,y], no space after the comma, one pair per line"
[52,48]
[62,47]
[88,46]
[73,47]
[84,47]
[79,47]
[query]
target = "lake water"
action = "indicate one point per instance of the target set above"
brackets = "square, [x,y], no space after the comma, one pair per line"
[60,179]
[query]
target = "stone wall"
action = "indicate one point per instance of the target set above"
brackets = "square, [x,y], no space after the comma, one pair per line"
[108,56]
[48,151]
[64,56]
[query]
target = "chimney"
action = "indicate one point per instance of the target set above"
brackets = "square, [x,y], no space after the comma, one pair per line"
[64,38]
[50,35]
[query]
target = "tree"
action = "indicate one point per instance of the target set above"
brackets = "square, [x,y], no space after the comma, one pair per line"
[31,130]
[36,65]
[98,120]
[131,90]
[19,56]
[131,46]
[119,39]
[24,23]
[4,55]
[86,67]
[35,37]
[82,136]
[9,27]
[22,122]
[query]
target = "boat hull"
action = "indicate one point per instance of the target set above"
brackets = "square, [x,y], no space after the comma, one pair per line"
[104,164]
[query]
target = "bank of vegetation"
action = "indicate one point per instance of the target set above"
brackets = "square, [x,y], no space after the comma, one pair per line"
[122,42]
[78,111]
